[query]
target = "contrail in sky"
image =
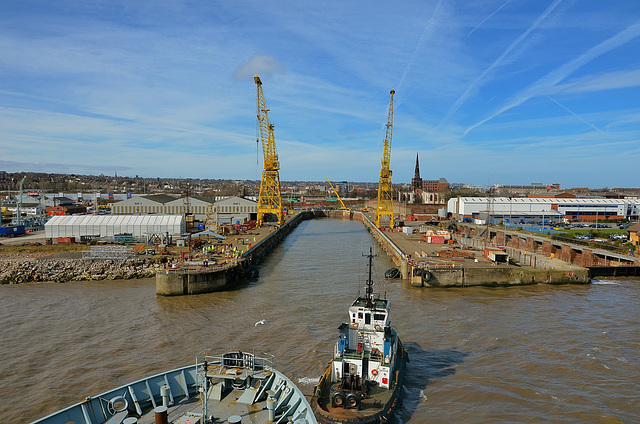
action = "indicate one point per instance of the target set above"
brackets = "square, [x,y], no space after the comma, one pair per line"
[557,75]
[575,114]
[487,18]
[428,28]
[499,60]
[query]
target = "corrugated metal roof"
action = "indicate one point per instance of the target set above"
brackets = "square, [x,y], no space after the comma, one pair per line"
[553,200]
[115,221]
[161,198]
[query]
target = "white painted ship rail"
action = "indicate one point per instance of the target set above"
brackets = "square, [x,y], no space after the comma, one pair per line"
[234,364]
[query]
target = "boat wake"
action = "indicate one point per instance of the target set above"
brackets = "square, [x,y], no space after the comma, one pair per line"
[309,380]
[605,282]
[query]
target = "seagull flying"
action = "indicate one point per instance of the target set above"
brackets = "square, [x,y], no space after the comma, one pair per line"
[262,321]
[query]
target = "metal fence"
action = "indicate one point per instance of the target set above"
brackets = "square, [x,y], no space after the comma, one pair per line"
[108,252]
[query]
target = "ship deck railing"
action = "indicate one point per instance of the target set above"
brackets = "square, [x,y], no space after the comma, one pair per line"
[378,298]
[108,252]
[234,365]
[354,354]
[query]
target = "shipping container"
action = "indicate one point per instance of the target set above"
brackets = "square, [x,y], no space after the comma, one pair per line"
[13,230]
[496,255]
[123,238]
[433,239]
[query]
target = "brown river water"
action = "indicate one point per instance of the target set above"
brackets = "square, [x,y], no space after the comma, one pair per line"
[501,355]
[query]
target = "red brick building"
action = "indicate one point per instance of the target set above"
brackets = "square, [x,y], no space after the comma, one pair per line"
[65,210]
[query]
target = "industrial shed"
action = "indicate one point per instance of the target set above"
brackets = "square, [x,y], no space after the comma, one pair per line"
[583,209]
[163,204]
[236,210]
[106,226]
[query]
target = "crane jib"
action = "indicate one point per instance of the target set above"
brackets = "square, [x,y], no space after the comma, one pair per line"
[270,198]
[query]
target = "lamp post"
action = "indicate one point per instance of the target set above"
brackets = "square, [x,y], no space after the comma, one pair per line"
[504,227]
[510,201]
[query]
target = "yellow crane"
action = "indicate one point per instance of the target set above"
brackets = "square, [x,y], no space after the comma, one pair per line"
[270,198]
[337,195]
[385,197]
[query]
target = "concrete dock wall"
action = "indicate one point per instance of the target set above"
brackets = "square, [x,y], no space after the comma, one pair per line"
[175,282]
[537,269]
[582,255]
[497,276]
[182,282]
[397,256]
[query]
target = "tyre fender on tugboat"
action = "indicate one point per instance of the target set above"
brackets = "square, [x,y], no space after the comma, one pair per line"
[338,399]
[353,401]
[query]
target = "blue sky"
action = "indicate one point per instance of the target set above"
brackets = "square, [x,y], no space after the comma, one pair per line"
[487,92]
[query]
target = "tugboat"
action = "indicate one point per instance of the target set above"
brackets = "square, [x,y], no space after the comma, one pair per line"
[363,381]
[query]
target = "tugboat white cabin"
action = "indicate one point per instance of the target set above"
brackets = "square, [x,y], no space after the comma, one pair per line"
[363,380]
[366,346]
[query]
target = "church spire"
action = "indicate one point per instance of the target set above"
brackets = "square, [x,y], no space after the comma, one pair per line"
[416,182]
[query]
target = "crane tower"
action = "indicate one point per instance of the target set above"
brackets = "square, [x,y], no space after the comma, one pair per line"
[270,198]
[337,195]
[385,197]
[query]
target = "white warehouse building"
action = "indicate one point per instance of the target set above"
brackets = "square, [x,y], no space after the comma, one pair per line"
[233,209]
[572,209]
[162,204]
[107,226]
[236,210]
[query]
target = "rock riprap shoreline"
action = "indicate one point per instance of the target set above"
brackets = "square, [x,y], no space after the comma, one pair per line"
[25,268]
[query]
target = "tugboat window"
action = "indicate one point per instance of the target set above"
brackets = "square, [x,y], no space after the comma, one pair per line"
[367,318]
[360,315]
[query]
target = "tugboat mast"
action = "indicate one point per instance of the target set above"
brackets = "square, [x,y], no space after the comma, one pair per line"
[369,291]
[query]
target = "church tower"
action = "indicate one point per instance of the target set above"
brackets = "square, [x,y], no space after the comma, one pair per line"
[416,182]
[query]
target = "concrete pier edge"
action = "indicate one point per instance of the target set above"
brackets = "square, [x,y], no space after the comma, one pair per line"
[452,276]
[171,283]
[185,282]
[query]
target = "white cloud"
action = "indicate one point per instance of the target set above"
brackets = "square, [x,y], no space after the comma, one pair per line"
[606,81]
[259,65]
[545,83]
[536,23]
